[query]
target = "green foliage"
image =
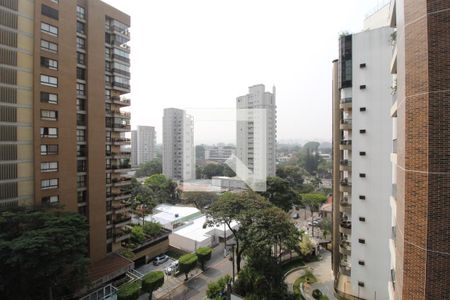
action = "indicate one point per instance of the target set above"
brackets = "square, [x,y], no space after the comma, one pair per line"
[149,168]
[152,229]
[293,174]
[129,291]
[152,281]
[317,294]
[279,193]
[306,246]
[292,264]
[313,201]
[203,254]
[125,252]
[187,263]
[217,288]
[42,251]
[309,160]
[214,169]
[199,199]
[162,189]
[137,234]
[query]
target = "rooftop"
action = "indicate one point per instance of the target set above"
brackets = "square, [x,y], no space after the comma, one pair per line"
[169,213]
[195,230]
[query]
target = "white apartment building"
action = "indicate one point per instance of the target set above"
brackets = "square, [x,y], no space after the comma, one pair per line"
[256,131]
[178,145]
[219,153]
[362,167]
[143,142]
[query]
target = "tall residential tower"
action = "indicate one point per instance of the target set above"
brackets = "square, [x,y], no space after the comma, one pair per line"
[178,145]
[143,142]
[64,68]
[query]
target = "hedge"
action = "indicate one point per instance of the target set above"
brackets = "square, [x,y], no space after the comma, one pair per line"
[129,291]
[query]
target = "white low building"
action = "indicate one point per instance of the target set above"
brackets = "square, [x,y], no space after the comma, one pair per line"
[196,234]
[171,216]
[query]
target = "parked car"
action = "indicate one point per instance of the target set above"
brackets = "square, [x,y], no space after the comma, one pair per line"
[173,268]
[160,259]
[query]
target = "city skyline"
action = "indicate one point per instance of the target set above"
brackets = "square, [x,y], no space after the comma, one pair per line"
[245,52]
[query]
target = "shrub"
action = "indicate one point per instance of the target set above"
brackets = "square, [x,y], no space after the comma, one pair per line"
[152,281]
[317,294]
[137,234]
[216,288]
[152,228]
[203,254]
[187,263]
[129,291]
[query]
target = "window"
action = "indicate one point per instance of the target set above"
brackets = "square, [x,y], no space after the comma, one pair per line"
[81,181]
[363,65]
[360,283]
[361,262]
[49,166]
[49,80]
[361,241]
[49,63]
[81,120]
[49,12]
[81,166]
[49,132]
[81,58]
[362,175]
[362,197]
[362,109]
[81,43]
[49,29]
[81,12]
[362,219]
[49,149]
[362,131]
[49,46]
[50,115]
[49,98]
[81,135]
[362,87]
[82,210]
[81,105]
[81,27]
[50,199]
[107,80]
[81,196]
[120,54]
[108,94]
[362,153]
[49,183]
[81,74]
[81,89]
[81,150]
[107,52]
[55,1]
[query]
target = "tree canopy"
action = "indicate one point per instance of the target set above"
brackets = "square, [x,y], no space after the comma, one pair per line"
[152,281]
[187,263]
[162,189]
[43,254]
[199,199]
[279,193]
[149,168]
[203,254]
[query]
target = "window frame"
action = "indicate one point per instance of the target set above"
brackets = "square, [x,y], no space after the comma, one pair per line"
[49,166]
[49,49]
[51,183]
[49,115]
[49,63]
[49,29]
[49,81]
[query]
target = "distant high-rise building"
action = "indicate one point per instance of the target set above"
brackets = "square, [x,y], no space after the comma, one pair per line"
[219,153]
[256,131]
[143,142]
[64,68]
[178,145]
[420,244]
[362,146]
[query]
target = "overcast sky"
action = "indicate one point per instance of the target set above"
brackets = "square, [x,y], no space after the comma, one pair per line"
[199,55]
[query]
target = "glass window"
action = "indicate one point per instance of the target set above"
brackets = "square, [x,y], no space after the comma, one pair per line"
[81,105]
[49,98]
[49,183]
[49,63]
[49,29]
[81,12]
[81,181]
[49,80]
[49,12]
[81,150]
[81,74]
[81,43]
[51,166]
[49,46]
[50,199]
[51,115]
[49,132]
[81,89]
[81,120]
[81,135]
[81,27]
[49,149]
[81,58]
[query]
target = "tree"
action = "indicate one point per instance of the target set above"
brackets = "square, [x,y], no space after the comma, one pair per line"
[129,291]
[152,229]
[143,204]
[152,281]
[187,263]
[306,246]
[199,199]
[217,288]
[162,189]
[293,174]
[313,201]
[279,193]
[137,234]
[325,225]
[149,168]
[43,254]
[203,254]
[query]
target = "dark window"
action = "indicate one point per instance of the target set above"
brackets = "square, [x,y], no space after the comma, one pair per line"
[81,105]
[345,59]
[49,63]
[362,241]
[362,175]
[81,27]
[81,196]
[362,219]
[362,109]
[49,12]
[107,38]
[81,166]
[81,12]
[81,120]
[362,131]
[361,197]
[81,74]
[363,65]
[360,283]
[81,58]
[362,87]
[362,153]
[361,263]
[82,210]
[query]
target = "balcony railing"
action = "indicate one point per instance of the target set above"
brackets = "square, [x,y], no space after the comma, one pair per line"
[346,142]
[345,182]
[346,100]
[346,162]
[346,224]
[121,140]
[121,101]
[347,122]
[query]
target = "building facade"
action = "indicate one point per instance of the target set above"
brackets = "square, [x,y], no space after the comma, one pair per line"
[256,131]
[219,153]
[143,143]
[64,69]
[178,145]
[420,246]
[361,167]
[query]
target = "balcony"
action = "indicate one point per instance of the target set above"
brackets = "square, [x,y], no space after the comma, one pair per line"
[119,182]
[121,220]
[120,207]
[121,168]
[121,101]
[345,104]
[346,124]
[121,155]
[345,186]
[345,227]
[118,29]
[121,141]
[346,145]
[345,269]
[123,115]
[120,236]
[121,127]
[345,205]
[121,86]
[345,248]
[345,165]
